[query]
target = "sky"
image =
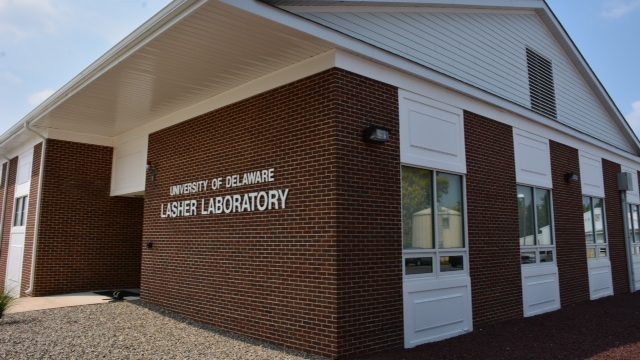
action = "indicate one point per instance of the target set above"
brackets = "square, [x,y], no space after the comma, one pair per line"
[45,43]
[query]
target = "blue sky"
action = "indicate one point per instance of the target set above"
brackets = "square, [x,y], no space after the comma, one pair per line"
[45,43]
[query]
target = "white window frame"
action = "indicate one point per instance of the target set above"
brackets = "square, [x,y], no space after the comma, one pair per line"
[635,241]
[23,212]
[595,245]
[537,248]
[436,252]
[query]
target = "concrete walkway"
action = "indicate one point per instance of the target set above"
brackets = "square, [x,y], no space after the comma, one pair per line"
[50,302]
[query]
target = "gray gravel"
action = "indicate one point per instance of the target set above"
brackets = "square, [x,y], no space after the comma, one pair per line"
[123,330]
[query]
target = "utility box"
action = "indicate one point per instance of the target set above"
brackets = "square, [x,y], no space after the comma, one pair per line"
[625,181]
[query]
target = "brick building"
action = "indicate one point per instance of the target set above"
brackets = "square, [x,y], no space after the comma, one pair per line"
[336,177]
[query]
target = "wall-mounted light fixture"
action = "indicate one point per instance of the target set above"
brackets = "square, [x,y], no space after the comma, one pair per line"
[376,134]
[571,177]
[151,172]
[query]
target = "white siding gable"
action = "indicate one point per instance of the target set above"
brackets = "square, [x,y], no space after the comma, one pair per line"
[482,48]
[532,156]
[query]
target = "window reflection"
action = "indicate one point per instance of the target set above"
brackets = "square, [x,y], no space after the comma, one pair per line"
[525,216]
[422,265]
[598,220]
[450,216]
[636,231]
[543,211]
[451,263]
[588,221]
[417,214]
[528,257]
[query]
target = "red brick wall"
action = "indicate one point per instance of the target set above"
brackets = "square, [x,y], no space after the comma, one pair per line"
[9,187]
[281,275]
[87,240]
[31,219]
[494,250]
[569,226]
[615,227]
[369,219]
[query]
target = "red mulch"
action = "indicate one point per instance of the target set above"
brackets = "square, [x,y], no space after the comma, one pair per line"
[603,329]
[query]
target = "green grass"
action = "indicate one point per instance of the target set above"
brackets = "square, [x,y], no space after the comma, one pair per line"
[5,302]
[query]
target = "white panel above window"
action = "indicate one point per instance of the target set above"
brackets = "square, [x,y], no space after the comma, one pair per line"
[24,167]
[533,160]
[591,174]
[633,196]
[23,173]
[431,134]
[129,167]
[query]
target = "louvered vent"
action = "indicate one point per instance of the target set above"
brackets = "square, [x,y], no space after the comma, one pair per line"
[541,89]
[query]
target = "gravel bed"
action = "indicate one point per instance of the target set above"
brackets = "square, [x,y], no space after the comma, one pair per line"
[124,330]
[603,329]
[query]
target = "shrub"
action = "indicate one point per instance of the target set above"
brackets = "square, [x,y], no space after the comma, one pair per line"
[5,302]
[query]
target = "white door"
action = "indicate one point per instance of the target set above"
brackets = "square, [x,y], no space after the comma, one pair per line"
[540,284]
[634,229]
[598,263]
[14,264]
[18,224]
[436,283]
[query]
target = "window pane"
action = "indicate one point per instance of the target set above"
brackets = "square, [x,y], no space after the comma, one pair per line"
[450,211]
[417,215]
[630,222]
[598,219]
[525,216]
[636,231]
[546,256]
[602,252]
[588,221]
[528,257]
[451,263]
[423,265]
[591,253]
[543,210]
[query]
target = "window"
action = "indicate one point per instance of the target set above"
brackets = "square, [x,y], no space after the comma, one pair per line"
[20,211]
[634,212]
[433,241]
[541,88]
[594,228]
[535,221]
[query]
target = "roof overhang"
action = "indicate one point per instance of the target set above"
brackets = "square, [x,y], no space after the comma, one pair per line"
[190,51]
[193,50]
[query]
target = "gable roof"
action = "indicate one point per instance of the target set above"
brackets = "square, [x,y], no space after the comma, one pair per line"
[447,37]
[147,75]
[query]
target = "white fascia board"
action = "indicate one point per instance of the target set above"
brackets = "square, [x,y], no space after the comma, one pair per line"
[163,20]
[508,4]
[552,22]
[494,108]
[359,47]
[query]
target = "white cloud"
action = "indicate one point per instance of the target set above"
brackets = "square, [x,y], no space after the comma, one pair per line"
[36,98]
[20,19]
[7,77]
[616,9]
[633,118]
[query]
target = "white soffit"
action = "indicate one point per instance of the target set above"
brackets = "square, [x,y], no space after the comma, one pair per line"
[533,160]
[215,48]
[591,174]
